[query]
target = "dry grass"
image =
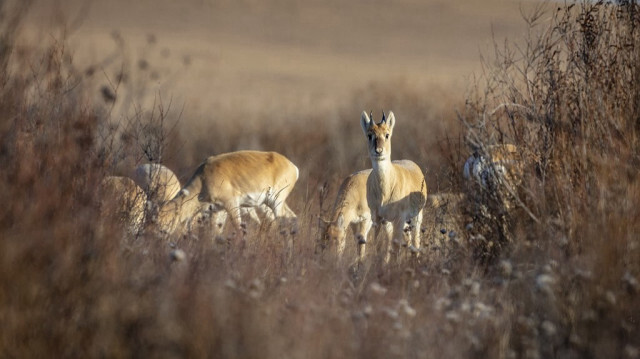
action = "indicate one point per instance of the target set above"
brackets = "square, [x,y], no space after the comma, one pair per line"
[556,277]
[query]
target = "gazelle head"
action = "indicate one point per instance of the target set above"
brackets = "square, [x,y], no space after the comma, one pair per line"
[378,135]
[335,231]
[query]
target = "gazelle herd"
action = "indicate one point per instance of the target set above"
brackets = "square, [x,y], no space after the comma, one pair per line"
[390,196]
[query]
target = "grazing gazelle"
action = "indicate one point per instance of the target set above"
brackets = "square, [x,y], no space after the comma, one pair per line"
[396,191]
[499,162]
[351,210]
[230,181]
[161,184]
[158,182]
[497,171]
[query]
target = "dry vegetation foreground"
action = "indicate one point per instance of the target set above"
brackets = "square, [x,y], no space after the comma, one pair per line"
[545,266]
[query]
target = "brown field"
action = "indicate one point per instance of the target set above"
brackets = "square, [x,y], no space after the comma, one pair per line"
[296,57]
[546,265]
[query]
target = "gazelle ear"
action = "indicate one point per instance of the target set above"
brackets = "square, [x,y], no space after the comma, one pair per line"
[365,122]
[391,120]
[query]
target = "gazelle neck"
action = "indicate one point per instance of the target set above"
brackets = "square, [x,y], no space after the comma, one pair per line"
[382,167]
[383,173]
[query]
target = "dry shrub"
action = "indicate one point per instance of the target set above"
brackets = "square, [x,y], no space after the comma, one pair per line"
[569,99]
[47,219]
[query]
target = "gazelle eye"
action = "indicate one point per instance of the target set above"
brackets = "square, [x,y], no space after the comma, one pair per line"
[370,137]
[386,136]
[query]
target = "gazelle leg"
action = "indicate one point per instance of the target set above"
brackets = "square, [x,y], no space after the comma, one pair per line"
[287,212]
[376,235]
[253,214]
[218,220]
[396,239]
[415,232]
[233,209]
[283,215]
[361,234]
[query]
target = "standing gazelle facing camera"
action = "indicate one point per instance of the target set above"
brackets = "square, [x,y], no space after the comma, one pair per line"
[396,191]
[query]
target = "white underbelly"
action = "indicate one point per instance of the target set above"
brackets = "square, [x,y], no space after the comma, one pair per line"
[254,199]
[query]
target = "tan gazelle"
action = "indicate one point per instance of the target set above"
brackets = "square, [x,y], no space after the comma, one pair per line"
[158,182]
[161,184]
[396,190]
[500,162]
[351,209]
[496,169]
[231,181]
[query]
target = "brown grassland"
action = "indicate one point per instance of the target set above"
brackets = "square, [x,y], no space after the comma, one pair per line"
[550,268]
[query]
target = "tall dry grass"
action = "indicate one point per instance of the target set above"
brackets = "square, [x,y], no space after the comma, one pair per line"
[568,98]
[555,277]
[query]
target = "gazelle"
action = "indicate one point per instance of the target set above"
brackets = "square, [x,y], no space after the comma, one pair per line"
[396,191]
[161,185]
[230,181]
[351,209]
[159,182]
[496,170]
[496,162]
